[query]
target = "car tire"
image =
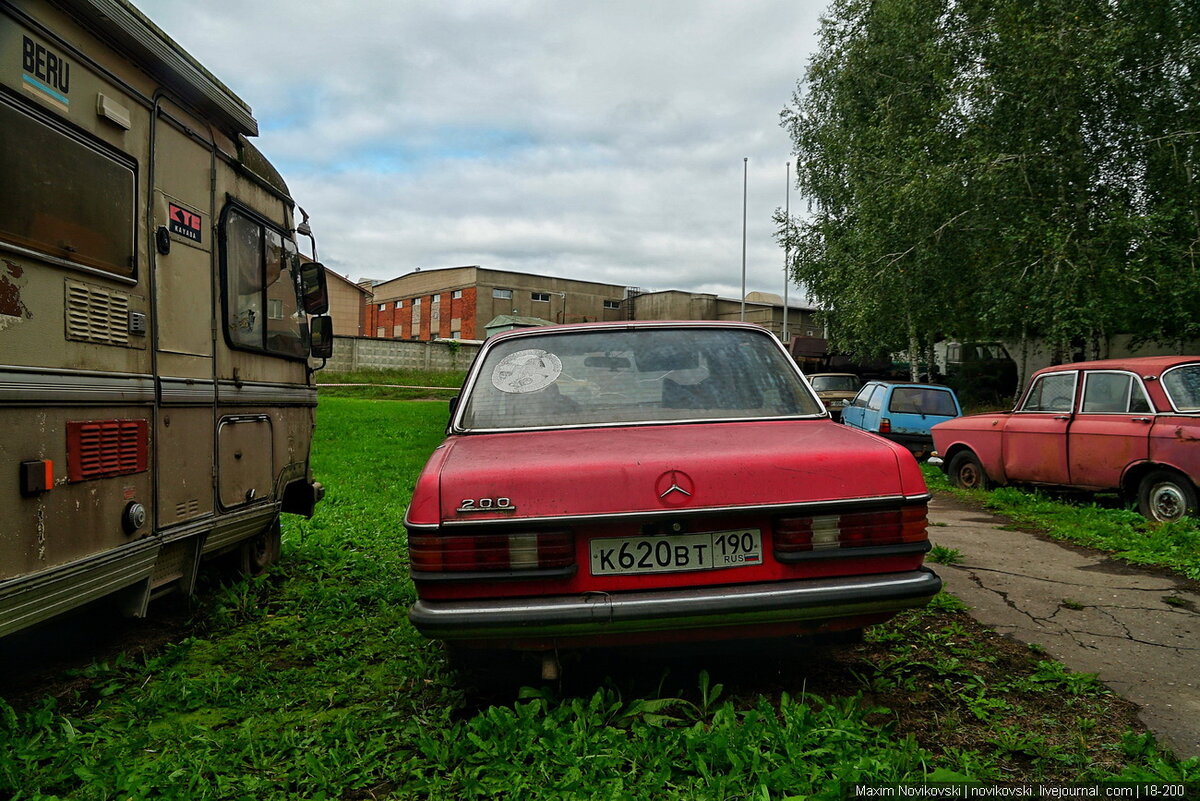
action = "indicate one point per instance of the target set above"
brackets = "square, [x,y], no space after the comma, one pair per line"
[966,472]
[261,551]
[1166,496]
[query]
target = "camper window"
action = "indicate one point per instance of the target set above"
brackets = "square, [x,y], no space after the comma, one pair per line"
[63,195]
[261,287]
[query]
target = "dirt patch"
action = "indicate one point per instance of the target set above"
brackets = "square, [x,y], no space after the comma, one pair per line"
[50,660]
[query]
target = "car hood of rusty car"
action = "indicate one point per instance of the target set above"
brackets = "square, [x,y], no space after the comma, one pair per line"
[630,470]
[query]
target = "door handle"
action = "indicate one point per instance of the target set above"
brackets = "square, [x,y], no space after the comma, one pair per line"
[1141,419]
[1062,417]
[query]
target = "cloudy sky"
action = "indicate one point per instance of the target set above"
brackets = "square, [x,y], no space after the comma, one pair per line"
[590,139]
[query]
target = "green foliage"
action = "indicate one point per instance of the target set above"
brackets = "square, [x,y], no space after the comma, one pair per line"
[942,555]
[1000,170]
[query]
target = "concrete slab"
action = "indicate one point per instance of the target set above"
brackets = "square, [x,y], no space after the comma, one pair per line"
[1092,613]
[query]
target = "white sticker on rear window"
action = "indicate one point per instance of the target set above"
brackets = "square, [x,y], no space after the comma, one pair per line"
[526,371]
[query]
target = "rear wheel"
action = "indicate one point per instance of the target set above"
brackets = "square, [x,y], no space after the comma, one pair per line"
[1166,496]
[967,472]
[260,552]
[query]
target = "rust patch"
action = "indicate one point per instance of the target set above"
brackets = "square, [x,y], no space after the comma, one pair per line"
[10,298]
[1187,436]
[10,292]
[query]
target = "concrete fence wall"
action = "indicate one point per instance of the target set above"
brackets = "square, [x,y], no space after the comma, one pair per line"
[368,353]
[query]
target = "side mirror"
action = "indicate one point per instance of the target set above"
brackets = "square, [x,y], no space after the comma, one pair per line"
[313,289]
[321,336]
[453,406]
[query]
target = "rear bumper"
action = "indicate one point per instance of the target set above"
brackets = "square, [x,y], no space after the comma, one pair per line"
[819,601]
[919,444]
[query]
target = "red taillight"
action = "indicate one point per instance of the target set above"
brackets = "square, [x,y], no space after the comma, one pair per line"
[885,425]
[474,553]
[850,530]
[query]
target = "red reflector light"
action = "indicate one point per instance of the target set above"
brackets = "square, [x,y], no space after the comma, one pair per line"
[793,534]
[885,426]
[491,552]
[850,530]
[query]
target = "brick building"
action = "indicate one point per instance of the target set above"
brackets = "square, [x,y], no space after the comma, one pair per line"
[457,302]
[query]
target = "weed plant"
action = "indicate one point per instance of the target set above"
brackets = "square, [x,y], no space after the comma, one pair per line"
[309,682]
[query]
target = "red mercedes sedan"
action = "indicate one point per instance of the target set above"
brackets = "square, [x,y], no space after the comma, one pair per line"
[625,483]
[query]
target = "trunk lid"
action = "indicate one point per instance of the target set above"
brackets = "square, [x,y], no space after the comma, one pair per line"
[657,468]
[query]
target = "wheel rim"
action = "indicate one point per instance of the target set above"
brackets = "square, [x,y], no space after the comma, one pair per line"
[1167,502]
[968,476]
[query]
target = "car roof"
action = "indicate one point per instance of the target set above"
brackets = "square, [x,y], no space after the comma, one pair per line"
[1137,364]
[909,385]
[625,324]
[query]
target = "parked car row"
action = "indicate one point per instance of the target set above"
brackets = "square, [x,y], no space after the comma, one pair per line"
[625,483]
[1125,425]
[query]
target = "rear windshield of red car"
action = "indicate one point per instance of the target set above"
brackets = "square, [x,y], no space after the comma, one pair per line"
[629,376]
[921,400]
[1182,385]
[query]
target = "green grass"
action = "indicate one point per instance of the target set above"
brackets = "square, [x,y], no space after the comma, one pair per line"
[942,555]
[1099,522]
[310,683]
[448,384]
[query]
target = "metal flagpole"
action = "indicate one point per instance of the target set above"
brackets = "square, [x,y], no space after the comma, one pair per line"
[787,242]
[745,167]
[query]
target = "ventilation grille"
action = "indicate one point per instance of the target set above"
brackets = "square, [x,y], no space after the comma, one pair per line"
[102,448]
[97,315]
[188,508]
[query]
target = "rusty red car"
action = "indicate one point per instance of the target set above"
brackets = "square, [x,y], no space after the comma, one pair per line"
[625,483]
[1130,425]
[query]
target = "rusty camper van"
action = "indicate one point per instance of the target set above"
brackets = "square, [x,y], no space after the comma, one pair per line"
[158,327]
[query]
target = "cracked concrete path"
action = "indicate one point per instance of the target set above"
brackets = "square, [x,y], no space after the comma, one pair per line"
[1137,628]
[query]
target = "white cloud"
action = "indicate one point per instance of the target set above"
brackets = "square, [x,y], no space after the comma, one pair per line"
[588,139]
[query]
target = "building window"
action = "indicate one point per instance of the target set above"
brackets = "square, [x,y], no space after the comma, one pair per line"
[399,304]
[437,299]
[379,332]
[274,309]
[383,307]
[541,297]
[416,302]
[456,294]
[502,294]
[396,332]
[612,304]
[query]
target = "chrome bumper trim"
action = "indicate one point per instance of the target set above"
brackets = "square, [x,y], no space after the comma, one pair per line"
[731,605]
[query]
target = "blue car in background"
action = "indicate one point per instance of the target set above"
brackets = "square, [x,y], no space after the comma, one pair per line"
[903,413]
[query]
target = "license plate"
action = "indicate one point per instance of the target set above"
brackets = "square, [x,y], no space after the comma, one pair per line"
[680,552]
